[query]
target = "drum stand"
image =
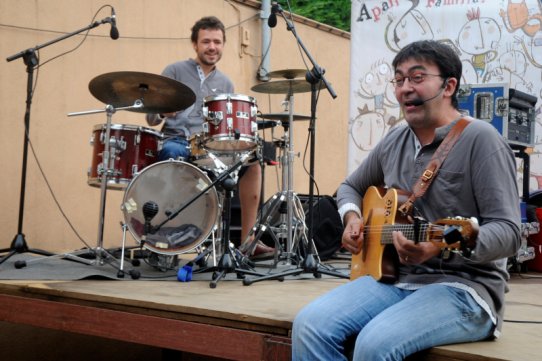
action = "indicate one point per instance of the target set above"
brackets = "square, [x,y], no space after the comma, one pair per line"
[231,260]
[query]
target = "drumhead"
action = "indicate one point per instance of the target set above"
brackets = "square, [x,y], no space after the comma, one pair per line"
[171,185]
[129,127]
[225,96]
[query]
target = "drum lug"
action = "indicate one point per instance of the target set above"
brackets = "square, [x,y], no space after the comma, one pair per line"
[137,138]
[229,122]
[254,127]
[253,112]
[205,111]
[229,107]
[135,170]
[215,117]
[205,127]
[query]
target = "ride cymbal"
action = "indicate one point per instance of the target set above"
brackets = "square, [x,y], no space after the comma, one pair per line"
[287,73]
[283,87]
[159,94]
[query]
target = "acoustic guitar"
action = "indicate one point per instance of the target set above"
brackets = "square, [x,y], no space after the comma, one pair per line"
[378,257]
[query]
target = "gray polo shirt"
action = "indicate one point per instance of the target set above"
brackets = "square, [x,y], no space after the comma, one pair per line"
[189,121]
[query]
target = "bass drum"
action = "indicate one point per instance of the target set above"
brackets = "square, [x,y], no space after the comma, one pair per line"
[164,188]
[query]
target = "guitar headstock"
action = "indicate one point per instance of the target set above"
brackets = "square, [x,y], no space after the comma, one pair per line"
[455,233]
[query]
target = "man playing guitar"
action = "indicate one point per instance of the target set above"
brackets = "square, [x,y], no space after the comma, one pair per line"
[450,277]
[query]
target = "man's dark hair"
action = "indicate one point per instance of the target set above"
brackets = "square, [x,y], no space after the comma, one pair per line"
[207,22]
[440,54]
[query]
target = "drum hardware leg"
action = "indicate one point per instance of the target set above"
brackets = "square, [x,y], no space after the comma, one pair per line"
[231,260]
[300,248]
[133,273]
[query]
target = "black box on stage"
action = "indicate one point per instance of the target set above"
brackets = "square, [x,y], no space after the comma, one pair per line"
[510,111]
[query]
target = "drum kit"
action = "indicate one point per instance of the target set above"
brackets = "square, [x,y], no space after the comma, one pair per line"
[172,207]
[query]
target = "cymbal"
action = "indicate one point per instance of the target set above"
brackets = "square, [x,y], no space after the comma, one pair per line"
[283,87]
[264,124]
[159,94]
[287,73]
[284,117]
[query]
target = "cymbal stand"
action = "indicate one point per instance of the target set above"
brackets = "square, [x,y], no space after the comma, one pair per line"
[292,222]
[99,253]
[310,263]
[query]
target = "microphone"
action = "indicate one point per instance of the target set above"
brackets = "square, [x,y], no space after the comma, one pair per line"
[419,101]
[150,209]
[114,32]
[272,20]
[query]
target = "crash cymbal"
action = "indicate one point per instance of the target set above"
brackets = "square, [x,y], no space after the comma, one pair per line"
[284,117]
[287,73]
[159,94]
[283,87]
[265,124]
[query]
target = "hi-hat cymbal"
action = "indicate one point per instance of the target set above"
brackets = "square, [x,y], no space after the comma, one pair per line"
[283,87]
[159,94]
[287,73]
[284,117]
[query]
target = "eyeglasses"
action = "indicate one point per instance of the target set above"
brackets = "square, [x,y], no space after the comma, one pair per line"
[416,78]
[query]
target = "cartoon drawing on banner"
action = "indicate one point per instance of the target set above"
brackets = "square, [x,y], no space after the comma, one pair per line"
[479,38]
[498,41]
[375,87]
[407,27]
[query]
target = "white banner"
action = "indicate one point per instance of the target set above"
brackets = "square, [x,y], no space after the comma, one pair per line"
[498,41]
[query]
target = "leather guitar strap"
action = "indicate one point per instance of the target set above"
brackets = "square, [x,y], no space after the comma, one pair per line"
[430,172]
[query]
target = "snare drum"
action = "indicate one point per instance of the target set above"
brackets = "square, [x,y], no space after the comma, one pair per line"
[200,156]
[131,149]
[169,185]
[230,122]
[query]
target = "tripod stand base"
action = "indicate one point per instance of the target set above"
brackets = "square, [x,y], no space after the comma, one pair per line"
[309,264]
[19,245]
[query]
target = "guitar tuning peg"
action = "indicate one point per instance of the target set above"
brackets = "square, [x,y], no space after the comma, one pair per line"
[452,235]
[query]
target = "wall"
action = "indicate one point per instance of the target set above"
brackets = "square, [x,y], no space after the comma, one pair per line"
[152,35]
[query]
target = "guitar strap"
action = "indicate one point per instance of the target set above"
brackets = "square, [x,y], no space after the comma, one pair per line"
[430,172]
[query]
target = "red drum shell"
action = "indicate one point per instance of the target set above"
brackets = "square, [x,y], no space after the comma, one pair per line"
[230,122]
[134,148]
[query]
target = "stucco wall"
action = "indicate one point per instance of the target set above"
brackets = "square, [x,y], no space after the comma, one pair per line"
[152,35]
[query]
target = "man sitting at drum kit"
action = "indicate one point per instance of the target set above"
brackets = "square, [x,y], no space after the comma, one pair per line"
[182,128]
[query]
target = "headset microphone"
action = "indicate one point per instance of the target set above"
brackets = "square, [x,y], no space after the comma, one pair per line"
[418,102]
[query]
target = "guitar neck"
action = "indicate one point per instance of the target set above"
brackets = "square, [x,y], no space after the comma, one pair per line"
[386,231]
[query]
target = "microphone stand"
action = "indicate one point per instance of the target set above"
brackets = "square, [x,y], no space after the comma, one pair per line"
[19,245]
[310,263]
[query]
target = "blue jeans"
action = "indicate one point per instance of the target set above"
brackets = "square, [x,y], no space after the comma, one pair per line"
[174,148]
[388,323]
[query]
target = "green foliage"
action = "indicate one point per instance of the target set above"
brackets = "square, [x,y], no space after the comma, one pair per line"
[331,12]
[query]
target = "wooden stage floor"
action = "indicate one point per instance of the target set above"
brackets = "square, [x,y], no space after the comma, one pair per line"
[231,321]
